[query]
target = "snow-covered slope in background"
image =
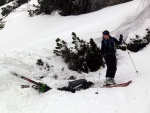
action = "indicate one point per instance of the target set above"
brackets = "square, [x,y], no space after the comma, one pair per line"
[41,31]
[25,39]
[135,25]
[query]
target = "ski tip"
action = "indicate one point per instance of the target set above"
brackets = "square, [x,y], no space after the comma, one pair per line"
[130,81]
[13,73]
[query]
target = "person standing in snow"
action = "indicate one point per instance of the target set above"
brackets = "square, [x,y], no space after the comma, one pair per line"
[109,53]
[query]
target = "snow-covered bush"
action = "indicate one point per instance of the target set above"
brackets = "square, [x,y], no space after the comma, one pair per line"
[2,2]
[147,37]
[2,24]
[39,62]
[137,44]
[34,12]
[82,57]
[43,65]
[9,8]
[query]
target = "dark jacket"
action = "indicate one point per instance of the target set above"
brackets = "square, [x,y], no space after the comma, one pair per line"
[108,46]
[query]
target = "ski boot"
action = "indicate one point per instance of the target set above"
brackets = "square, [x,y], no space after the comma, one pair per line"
[108,82]
[113,81]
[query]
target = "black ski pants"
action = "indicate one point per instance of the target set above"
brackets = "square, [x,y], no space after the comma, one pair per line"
[111,63]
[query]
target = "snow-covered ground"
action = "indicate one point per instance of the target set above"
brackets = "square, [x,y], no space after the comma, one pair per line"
[26,39]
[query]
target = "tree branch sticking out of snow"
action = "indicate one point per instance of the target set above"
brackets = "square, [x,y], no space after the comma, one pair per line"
[82,57]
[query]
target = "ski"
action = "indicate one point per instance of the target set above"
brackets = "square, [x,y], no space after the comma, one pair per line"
[118,85]
[40,86]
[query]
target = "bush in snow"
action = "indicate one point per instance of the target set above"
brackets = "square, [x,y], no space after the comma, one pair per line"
[40,62]
[82,57]
[43,65]
[137,44]
[2,24]
[147,37]
[9,8]
[2,2]
[34,12]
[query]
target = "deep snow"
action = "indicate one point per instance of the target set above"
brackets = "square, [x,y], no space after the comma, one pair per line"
[25,39]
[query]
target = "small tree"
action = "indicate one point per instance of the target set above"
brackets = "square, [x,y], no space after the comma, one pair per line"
[82,57]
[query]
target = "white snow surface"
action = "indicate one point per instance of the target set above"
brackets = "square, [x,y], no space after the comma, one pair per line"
[26,39]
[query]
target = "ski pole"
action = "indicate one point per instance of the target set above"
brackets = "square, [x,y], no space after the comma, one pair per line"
[97,92]
[130,57]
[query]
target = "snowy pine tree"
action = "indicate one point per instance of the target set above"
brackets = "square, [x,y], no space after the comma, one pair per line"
[82,57]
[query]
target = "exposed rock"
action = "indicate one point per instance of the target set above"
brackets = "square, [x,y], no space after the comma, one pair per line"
[86,6]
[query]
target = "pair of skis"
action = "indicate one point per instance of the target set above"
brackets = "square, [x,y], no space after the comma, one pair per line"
[38,86]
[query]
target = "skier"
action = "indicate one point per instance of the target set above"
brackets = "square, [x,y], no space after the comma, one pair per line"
[108,51]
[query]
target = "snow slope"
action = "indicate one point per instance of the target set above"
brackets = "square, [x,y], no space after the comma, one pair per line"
[25,39]
[39,31]
[135,25]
